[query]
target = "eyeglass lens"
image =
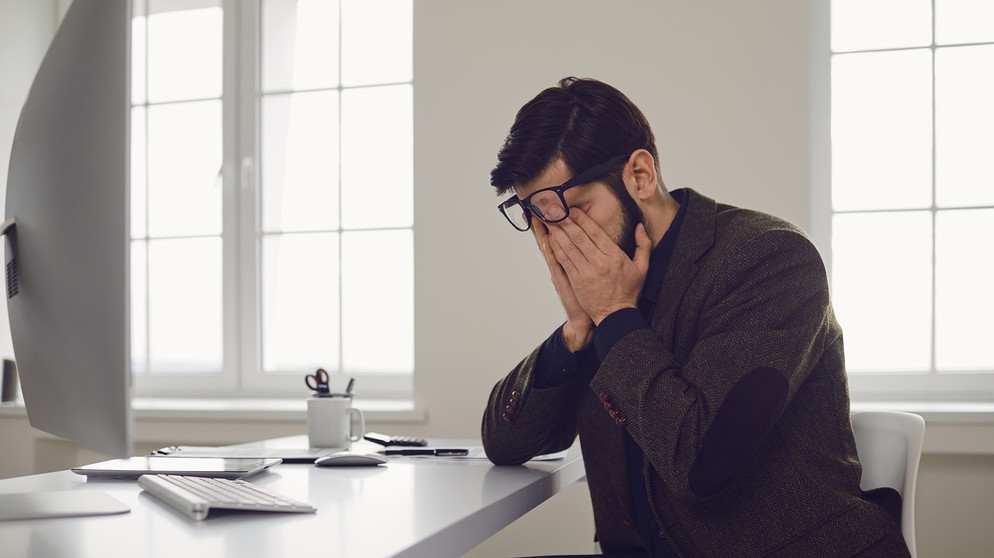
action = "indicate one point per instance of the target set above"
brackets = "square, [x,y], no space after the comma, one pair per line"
[516,214]
[548,206]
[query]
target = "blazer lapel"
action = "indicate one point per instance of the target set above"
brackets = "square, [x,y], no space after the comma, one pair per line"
[695,238]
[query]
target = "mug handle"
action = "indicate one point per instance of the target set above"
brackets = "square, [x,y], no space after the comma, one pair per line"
[362,424]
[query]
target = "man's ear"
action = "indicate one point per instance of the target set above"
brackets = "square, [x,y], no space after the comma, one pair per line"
[641,181]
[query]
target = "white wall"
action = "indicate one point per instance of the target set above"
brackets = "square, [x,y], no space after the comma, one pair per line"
[725,85]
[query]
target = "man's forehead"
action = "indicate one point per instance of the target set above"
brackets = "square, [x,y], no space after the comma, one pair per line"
[554,174]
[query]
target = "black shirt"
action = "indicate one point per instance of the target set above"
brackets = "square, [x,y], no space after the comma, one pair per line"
[556,365]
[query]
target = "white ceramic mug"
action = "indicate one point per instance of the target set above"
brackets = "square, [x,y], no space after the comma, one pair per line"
[330,422]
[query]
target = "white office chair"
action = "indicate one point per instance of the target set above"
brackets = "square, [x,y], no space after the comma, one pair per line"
[889,444]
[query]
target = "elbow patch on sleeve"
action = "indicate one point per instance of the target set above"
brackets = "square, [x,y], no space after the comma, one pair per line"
[747,415]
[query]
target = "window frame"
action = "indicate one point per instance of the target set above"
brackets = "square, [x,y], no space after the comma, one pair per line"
[242,375]
[899,386]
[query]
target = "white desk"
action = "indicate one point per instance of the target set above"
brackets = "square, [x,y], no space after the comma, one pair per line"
[411,507]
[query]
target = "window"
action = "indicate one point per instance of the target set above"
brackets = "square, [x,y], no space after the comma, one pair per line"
[272,195]
[912,193]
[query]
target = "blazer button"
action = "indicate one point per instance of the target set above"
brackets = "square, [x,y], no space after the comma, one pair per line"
[604,398]
[515,395]
[608,406]
[620,421]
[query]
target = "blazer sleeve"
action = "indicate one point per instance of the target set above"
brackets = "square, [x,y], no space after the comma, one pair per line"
[522,421]
[751,327]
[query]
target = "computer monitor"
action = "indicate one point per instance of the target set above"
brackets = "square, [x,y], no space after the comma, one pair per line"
[67,234]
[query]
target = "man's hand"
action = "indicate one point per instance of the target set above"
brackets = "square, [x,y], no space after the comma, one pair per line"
[601,277]
[579,329]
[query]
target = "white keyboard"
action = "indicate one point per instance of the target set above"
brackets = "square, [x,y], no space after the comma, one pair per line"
[197,496]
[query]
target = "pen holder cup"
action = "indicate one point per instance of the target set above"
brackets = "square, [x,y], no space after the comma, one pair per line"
[331,422]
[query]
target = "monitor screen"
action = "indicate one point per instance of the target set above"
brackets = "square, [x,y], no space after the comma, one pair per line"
[67,235]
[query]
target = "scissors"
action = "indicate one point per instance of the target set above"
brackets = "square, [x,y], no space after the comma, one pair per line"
[318,381]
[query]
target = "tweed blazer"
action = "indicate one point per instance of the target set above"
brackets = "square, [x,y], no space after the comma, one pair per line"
[737,395]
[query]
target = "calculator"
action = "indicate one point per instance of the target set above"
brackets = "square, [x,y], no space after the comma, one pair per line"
[385,440]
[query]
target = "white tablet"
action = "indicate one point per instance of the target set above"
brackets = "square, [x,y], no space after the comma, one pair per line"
[130,468]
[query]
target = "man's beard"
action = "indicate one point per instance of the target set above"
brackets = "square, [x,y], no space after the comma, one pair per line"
[631,216]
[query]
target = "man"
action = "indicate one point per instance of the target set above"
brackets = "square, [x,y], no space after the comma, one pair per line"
[700,362]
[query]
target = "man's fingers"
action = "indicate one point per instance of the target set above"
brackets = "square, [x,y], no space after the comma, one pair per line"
[571,256]
[589,234]
[540,232]
[573,243]
[563,251]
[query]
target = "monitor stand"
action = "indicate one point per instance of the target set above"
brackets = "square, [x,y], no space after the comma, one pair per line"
[60,503]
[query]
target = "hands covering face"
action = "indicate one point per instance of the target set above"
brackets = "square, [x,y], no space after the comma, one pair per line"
[591,274]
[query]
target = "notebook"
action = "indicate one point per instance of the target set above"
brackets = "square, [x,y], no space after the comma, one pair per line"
[130,468]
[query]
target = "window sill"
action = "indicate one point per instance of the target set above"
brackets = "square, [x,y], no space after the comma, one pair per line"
[269,410]
[275,410]
[936,413]
[383,410]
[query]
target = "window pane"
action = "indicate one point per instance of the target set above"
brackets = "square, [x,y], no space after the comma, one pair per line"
[184,165]
[138,56]
[300,161]
[299,44]
[139,306]
[377,157]
[300,312]
[377,44]
[964,299]
[964,21]
[964,128]
[185,50]
[881,130]
[873,24]
[184,310]
[882,289]
[139,186]
[378,301]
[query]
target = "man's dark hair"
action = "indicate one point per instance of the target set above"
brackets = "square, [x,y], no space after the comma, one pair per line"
[584,122]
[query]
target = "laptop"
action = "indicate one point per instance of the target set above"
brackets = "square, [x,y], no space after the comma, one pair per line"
[130,468]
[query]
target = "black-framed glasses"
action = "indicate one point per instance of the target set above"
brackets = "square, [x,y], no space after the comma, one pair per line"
[549,204]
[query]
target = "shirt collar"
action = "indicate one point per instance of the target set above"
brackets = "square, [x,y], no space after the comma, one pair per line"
[660,258]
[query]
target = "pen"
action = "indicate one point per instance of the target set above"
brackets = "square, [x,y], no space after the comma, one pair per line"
[440,452]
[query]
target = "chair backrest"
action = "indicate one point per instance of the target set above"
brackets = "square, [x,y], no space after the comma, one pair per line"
[889,444]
